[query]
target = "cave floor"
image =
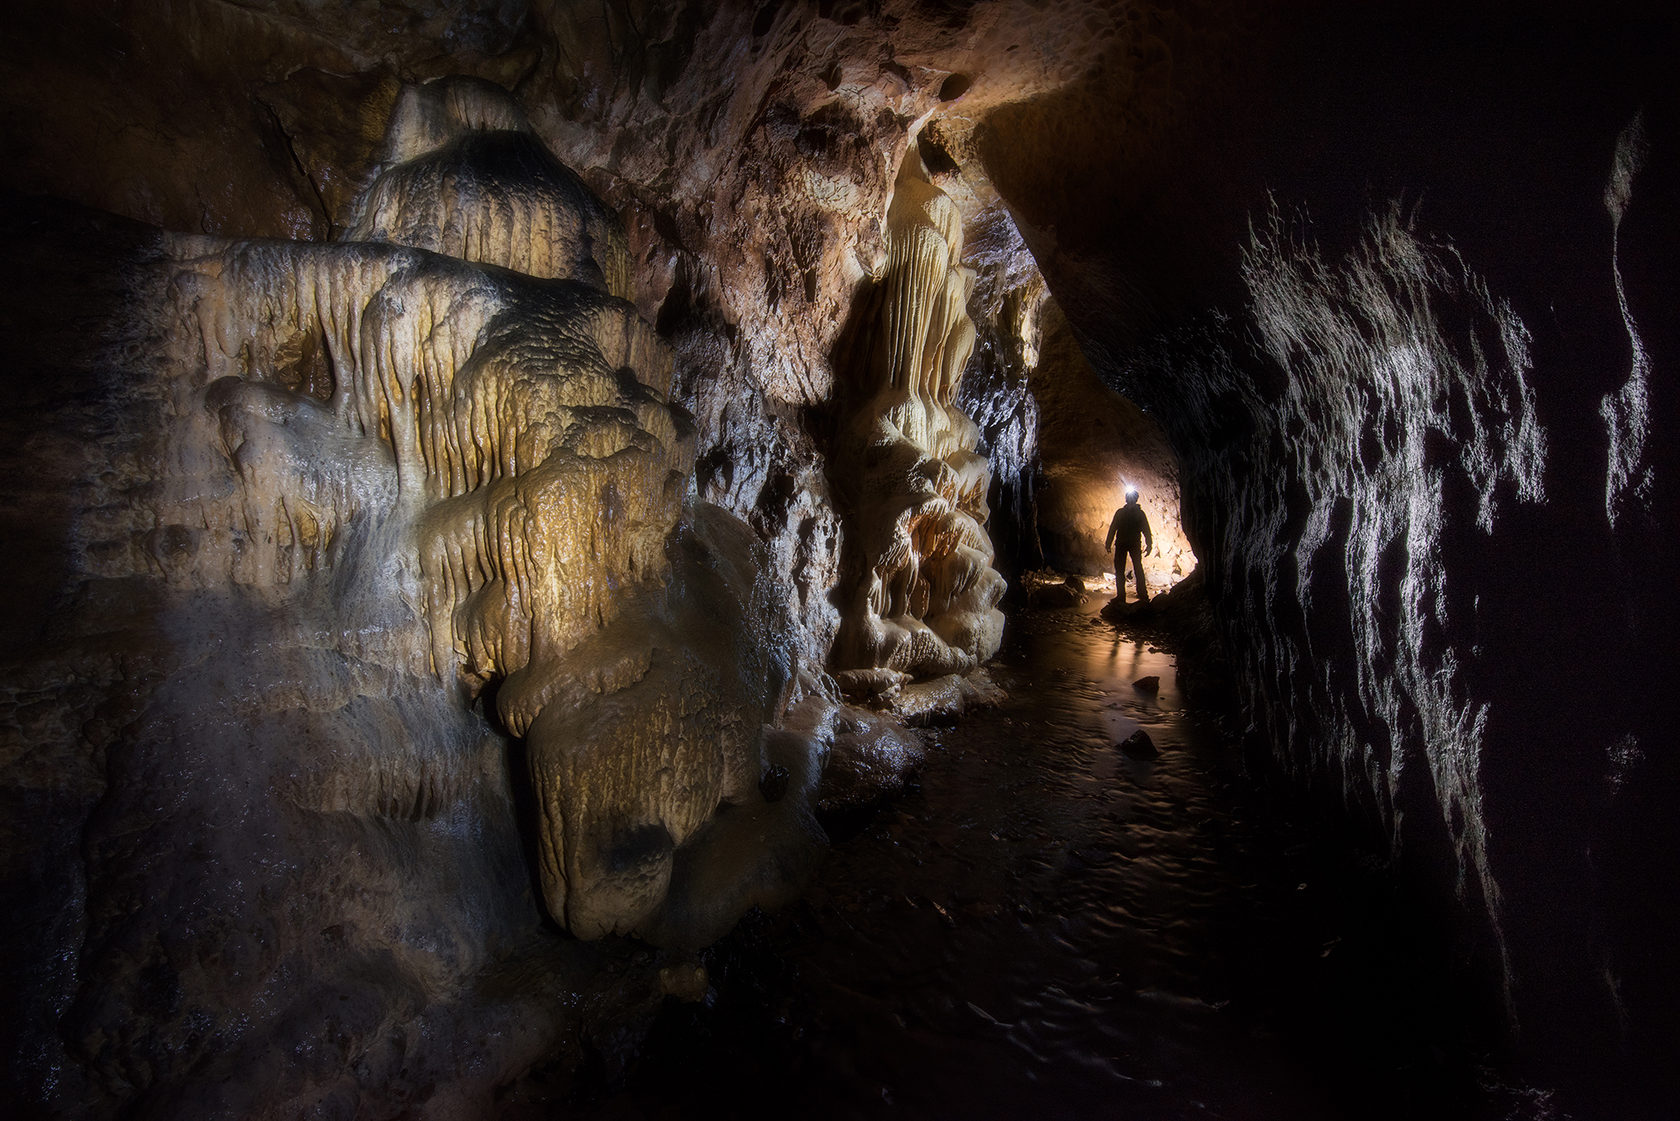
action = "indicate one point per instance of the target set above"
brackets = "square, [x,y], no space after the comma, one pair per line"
[1046,926]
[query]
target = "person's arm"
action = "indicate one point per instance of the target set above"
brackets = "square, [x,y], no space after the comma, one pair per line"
[1148,538]
[1113,528]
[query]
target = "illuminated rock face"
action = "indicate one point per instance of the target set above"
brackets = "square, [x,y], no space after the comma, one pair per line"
[1384,432]
[918,592]
[1109,443]
[379,626]
[1424,438]
[334,519]
[498,453]
[1414,461]
[463,175]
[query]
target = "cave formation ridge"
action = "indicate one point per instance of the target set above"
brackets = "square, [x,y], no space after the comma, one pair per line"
[497,447]
[918,591]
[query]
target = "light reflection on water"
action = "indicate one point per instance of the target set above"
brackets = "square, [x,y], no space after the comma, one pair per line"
[1047,927]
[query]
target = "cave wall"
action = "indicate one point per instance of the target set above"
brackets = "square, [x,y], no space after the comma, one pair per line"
[418,658]
[1104,442]
[1414,394]
[751,149]
[424,573]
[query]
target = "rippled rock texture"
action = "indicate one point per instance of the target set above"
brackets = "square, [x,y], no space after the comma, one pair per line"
[918,592]
[1423,435]
[392,569]
[1403,382]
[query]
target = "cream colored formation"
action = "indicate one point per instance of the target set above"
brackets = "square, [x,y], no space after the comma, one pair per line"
[456,431]
[498,450]
[919,593]
[460,165]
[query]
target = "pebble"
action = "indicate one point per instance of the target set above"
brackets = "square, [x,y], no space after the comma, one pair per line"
[1139,746]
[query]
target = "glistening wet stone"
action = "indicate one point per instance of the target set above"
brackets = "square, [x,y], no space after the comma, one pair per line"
[1046,927]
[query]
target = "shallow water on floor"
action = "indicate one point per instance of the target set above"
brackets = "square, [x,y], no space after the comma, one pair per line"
[1051,927]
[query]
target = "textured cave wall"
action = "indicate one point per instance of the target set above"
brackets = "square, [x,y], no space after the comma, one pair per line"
[751,150]
[1399,438]
[1399,292]
[206,801]
[1005,305]
[271,854]
[331,525]
[758,146]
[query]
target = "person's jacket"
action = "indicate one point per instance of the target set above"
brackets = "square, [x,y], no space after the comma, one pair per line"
[1129,523]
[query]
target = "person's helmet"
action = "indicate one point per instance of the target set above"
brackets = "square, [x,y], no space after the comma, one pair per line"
[1131,493]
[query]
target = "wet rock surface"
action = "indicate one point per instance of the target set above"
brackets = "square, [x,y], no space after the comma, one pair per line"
[1046,927]
[1139,746]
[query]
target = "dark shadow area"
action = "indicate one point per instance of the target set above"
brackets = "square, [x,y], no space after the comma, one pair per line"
[517,767]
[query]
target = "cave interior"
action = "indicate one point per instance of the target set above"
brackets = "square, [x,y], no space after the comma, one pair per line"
[501,492]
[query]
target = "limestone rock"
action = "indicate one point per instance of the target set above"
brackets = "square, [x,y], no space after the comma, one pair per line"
[1383,429]
[918,592]
[1139,745]
[872,758]
[513,437]
[386,565]
[465,176]
[1044,591]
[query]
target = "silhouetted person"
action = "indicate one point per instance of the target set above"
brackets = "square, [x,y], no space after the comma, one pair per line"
[1124,532]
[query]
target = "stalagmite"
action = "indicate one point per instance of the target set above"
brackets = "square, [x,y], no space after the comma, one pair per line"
[918,591]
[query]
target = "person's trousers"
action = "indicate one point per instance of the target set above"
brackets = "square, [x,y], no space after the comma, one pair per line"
[1136,553]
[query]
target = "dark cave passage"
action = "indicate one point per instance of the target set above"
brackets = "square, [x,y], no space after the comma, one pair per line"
[1051,925]
[1093,443]
[552,549]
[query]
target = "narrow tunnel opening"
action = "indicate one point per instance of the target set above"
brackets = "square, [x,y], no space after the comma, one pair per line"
[1094,444]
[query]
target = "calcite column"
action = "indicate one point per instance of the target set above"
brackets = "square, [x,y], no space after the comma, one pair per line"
[918,593]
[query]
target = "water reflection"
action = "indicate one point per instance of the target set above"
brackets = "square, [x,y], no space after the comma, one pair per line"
[1047,927]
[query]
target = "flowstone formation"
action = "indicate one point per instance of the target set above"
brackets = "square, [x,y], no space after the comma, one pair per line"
[232,729]
[383,621]
[463,175]
[918,594]
[501,450]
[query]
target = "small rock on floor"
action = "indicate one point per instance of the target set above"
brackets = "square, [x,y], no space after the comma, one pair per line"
[1150,684]
[1139,746]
